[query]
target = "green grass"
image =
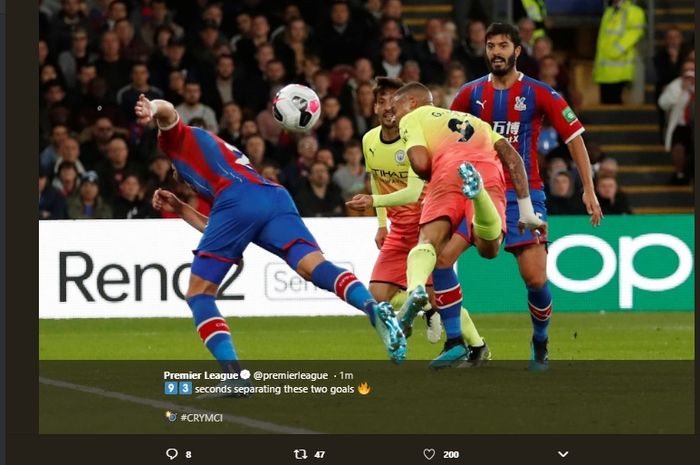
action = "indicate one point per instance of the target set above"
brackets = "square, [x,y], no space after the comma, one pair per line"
[600,397]
[574,336]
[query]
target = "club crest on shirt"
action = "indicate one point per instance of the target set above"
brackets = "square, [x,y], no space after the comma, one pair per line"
[520,104]
[400,156]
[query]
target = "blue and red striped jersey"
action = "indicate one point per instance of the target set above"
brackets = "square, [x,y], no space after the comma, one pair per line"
[517,113]
[206,162]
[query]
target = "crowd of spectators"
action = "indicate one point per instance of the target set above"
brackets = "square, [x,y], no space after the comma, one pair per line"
[564,187]
[220,64]
[675,91]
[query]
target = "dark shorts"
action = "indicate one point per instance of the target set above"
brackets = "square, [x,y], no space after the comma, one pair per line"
[683,135]
[245,213]
[513,236]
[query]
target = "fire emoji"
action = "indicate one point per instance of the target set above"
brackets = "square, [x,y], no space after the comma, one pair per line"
[364,388]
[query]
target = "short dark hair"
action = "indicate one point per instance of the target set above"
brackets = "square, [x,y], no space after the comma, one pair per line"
[138,63]
[54,83]
[111,4]
[386,84]
[198,122]
[132,174]
[456,65]
[388,19]
[225,56]
[603,177]
[119,137]
[352,144]
[415,88]
[66,165]
[389,40]
[505,29]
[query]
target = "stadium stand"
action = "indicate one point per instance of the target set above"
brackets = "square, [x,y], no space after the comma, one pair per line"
[182,44]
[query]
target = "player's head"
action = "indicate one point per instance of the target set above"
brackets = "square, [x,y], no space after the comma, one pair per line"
[89,187]
[383,92]
[502,48]
[410,97]
[193,92]
[130,187]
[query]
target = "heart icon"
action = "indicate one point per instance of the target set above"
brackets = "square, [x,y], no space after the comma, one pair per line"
[429,453]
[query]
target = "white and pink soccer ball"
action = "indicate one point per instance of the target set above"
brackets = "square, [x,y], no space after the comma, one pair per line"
[296,108]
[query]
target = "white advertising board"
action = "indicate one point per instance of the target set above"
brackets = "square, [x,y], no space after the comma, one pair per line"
[140,268]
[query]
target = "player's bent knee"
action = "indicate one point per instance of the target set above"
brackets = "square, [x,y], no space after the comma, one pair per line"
[534,277]
[535,282]
[382,292]
[489,253]
[488,249]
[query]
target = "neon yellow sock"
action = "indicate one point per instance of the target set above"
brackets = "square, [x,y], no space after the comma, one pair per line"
[421,261]
[398,299]
[469,332]
[487,221]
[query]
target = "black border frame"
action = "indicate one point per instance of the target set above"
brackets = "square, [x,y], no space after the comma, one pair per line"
[20,396]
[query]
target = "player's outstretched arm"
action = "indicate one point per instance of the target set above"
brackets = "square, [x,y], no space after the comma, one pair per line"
[406,196]
[514,164]
[579,154]
[167,201]
[162,111]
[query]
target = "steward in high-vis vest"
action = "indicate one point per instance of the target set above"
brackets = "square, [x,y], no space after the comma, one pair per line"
[621,28]
[537,12]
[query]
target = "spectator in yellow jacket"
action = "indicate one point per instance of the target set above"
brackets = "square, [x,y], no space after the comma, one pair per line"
[621,28]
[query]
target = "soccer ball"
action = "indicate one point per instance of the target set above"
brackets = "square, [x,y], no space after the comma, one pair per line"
[296,108]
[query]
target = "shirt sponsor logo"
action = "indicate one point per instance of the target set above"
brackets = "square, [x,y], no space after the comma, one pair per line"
[389,176]
[508,129]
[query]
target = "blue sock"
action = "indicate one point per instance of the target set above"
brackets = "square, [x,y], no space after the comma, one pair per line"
[345,285]
[448,297]
[540,304]
[213,330]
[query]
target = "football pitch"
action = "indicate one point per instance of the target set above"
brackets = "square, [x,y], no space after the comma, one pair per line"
[610,373]
[573,336]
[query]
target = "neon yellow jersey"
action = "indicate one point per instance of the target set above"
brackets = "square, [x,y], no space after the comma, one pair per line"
[389,166]
[437,128]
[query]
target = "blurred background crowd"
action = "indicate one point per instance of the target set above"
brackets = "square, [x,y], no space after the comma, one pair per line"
[220,63]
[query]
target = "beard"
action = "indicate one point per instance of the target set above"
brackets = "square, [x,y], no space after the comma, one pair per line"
[389,121]
[510,64]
